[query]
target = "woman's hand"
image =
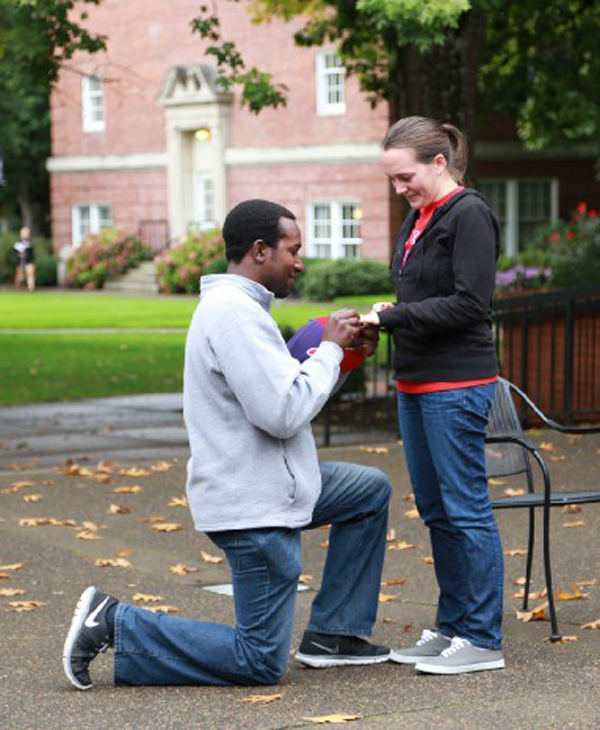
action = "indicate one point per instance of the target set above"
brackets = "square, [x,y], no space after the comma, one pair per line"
[372,317]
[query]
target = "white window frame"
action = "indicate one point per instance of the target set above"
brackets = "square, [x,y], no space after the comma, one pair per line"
[92,102]
[338,244]
[324,73]
[96,221]
[512,244]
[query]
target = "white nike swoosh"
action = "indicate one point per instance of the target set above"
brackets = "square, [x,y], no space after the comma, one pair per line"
[90,621]
[329,650]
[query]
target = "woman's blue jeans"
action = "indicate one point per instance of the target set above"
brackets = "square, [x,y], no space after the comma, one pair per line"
[153,649]
[443,435]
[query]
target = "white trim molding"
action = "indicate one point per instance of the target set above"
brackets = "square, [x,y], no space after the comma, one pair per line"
[368,152]
[93,163]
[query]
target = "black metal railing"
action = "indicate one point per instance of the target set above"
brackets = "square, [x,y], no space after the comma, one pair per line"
[548,345]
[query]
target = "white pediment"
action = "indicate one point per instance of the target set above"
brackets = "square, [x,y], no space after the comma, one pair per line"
[194,83]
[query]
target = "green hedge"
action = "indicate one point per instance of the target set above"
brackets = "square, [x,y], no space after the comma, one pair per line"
[325,279]
[180,268]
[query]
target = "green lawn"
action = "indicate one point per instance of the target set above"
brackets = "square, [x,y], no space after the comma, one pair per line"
[52,367]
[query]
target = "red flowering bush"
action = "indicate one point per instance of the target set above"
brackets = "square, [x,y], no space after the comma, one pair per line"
[180,268]
[101,255]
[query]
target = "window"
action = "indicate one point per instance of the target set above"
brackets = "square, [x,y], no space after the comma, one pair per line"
[204,202]
[89,219]
[331,79]
[92,104]
[334,230]
[521,206]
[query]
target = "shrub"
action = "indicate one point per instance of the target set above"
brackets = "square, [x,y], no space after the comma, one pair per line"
[46,270]
[325,279]
[101,255]
[180,268]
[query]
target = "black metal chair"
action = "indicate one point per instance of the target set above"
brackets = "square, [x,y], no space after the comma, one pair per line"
[512,454]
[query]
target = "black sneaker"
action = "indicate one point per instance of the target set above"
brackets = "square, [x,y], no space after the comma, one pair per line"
[88,635]
[327,650]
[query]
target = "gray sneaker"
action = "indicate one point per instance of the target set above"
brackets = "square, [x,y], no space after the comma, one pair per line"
[462,657]
[431,644]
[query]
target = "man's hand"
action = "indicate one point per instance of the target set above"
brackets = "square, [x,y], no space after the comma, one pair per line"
[368,339]
[372,317]
[342,327]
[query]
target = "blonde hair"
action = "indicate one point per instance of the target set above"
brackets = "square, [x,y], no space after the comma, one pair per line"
[429,138]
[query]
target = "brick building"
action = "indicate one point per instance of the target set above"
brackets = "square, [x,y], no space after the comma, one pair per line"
[143,139]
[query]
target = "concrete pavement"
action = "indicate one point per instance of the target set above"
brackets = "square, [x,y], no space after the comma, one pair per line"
[62,473]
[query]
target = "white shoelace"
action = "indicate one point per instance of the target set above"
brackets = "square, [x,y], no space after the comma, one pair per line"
[457,643]
[427,636]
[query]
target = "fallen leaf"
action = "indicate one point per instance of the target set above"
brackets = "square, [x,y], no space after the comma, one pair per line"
[166,527]
[117,509]
[161,609]
[579,523]
[409,498]
[402,546]
[134,489]
[591,582]
[533,596]
[123,553]
[134,472]
[427,561]
[373,449]
[146,598]
[572,508]
[33,497]
[151,519]
[112,563]
[332,719]
[103,478]
[305,579]
[515,552]
[412,514]
[88,535]
[21,485]
[9,592]
[512,492]
[385,597]
[262,699]
[394,582]
[520,581]
[21,606]
[324,544]
[391,535]
[103,468]
[208,558]
[41,521]
[5,576]
[178,502]
[558,458]
[591,625]
[547,446]
[181,569]
[12,566]
[536,614]
[577,595]
[92,526]
[496,482]
[562,640]
[161,466]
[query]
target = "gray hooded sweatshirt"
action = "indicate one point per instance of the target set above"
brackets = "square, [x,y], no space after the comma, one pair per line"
[248,405]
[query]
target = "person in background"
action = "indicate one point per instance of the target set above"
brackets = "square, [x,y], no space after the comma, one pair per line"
[254,482]
[25,260]
[443,268]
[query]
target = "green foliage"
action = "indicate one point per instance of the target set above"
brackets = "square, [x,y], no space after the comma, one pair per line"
[258,89]
[101,255]
[573,247]
[180,268]
[36,38]
[46,270]
[328,278]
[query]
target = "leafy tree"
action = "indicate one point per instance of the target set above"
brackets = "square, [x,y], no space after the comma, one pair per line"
[461,60]
[36,38]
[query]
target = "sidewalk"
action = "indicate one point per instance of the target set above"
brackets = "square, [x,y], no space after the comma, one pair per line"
[543,686]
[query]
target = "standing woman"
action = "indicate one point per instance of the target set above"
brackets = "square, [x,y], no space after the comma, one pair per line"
[443,268]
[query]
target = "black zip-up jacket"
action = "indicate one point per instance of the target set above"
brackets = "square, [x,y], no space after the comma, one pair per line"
[442,320]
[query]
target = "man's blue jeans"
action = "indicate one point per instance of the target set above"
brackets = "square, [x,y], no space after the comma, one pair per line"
[265,564]
[443,435]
